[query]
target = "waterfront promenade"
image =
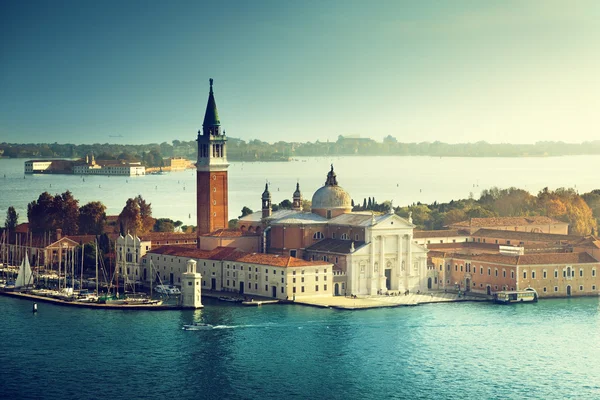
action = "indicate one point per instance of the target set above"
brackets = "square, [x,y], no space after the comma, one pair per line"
[367,302]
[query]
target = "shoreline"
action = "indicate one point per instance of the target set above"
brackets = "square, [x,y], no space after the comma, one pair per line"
[335,302]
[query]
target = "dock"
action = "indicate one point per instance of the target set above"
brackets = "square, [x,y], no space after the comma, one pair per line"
[145,307]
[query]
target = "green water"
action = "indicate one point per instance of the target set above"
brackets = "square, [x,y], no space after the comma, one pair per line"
[548,350]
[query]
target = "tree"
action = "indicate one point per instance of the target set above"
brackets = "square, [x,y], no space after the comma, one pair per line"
[145,214]
[130,217]
[40,213]
[12,219]
[66,213]
[164,225]
[233,224]
[286,205]
[245,211]
[306,205]
[92,218]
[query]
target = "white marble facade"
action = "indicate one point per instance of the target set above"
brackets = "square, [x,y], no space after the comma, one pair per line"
[389,261]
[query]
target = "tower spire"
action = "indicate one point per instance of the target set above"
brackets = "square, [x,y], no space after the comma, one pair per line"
[211,116]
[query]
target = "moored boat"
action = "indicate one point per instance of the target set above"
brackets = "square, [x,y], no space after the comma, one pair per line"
[168,289]
[528,295]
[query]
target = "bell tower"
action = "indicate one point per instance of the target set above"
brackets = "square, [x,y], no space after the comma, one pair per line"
[211,169]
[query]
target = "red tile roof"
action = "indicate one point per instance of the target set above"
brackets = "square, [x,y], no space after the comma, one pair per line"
[229,233]
[235,255]
[529,259]
[218,253]
[507,221]
[273,260]
[167,236]
[439,233]
[519,235]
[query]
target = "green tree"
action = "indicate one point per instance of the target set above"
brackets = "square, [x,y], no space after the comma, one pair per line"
[164,225]
[130,217]
[92,218]
[40,213]
[12,219]
[306,205]
[66,213]
[245,211]
[145,214]
[285,205]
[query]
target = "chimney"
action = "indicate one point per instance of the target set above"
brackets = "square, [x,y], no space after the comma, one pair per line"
[58,233]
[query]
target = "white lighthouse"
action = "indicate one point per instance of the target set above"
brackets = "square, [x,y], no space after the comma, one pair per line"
[191,283]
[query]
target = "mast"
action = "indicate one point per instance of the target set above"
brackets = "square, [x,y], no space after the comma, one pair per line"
[81,276]
[59,264]
[97,292]
[151,278]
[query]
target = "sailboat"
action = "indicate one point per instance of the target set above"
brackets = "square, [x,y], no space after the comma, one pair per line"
[25,276]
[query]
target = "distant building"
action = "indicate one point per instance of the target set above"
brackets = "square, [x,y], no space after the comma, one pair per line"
[108,167]
[48,167]
[177,163]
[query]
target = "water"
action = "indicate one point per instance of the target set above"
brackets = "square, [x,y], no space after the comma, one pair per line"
[405,180]
[548,350]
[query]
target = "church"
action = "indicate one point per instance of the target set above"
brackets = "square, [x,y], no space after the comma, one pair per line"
[371,253]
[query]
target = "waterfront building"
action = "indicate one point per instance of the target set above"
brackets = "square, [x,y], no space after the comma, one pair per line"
[177,163]
[37,166]
[371,253]
[48,167]
[550,274]
[211,167]
[232,270]
[539,224]
[130,249]
[107,167]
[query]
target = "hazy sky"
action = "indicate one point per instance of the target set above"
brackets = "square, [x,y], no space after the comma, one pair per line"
[454,71]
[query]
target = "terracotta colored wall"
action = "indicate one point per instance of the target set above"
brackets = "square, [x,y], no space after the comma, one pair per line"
[211,201]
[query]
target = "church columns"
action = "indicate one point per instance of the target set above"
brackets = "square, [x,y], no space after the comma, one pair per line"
[397,283]
[381,271]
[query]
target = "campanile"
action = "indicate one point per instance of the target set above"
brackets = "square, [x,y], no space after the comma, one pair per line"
[211,169]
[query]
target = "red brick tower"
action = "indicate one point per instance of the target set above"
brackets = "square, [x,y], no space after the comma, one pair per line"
[211,183]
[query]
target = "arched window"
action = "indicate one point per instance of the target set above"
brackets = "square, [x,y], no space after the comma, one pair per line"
[318,235]
[344,236]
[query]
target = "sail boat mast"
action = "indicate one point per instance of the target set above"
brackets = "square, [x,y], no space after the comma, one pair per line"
[97,292]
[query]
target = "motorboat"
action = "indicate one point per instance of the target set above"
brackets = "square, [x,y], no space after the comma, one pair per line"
[197,326]
[516,296]
[168,290]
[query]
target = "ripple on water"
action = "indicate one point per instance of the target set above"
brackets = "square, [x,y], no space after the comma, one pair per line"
[445,351]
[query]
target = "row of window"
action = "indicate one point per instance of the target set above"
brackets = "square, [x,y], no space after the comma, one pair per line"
[343,236]
[567,273]
[581,288]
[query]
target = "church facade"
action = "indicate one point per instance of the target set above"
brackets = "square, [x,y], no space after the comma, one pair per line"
[371,253]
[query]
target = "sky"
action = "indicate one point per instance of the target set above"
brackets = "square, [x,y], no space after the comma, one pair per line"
[455,71]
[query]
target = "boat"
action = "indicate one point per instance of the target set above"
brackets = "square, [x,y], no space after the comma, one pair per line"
[231,299]
[85,296]
[197,326]
[25,276]
[168,289]
[528,295]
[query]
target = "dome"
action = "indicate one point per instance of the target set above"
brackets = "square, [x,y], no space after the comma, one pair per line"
[329,197]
